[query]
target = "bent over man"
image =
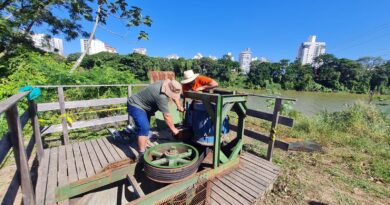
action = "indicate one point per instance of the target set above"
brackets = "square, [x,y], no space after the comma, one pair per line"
[146,102]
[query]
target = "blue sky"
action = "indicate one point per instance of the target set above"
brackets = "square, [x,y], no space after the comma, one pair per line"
[271,28]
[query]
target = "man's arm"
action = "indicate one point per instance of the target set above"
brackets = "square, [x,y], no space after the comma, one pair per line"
[178,105]
[211,85]
[169,121]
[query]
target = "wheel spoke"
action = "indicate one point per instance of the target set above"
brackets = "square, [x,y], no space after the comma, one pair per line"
[183,161]
[159,161]
[172,162]
[185,154]
[156,153]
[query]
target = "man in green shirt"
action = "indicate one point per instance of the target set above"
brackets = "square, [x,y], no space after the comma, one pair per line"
[146,102]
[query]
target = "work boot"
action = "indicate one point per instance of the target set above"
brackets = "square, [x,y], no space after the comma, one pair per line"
[140,158]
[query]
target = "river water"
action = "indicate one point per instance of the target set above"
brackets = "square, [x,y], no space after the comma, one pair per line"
[310,103]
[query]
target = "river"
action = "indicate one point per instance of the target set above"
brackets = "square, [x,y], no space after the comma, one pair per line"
[310,103]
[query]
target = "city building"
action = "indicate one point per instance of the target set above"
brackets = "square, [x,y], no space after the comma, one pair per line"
[310,49]
[96,46]
[141,51]
[173,56]
[213,57]
[245,60]
[198,56]
[48,44]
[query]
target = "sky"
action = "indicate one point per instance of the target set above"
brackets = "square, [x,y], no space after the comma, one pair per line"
[273,29]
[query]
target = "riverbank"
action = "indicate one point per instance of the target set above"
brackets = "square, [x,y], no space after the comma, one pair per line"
[312,103]
[353,169]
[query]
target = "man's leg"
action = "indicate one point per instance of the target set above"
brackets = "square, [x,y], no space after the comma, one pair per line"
[140,118]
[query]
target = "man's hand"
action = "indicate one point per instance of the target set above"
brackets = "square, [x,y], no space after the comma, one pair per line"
[180,108]
[200,88]
[175,131]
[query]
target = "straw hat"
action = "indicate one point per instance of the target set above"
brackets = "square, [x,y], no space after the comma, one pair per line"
[189,76]
[172,89]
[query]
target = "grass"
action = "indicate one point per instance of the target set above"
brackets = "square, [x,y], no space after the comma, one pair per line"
[354,169]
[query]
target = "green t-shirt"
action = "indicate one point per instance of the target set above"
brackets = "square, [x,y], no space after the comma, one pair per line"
[151,99]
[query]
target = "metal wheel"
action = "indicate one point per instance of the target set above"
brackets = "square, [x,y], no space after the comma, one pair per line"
[171,162]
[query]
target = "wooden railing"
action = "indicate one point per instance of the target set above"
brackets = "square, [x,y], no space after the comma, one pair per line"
[14,137]
[63,106]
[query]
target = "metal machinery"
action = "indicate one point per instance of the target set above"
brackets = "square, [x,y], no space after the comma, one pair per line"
[179,162]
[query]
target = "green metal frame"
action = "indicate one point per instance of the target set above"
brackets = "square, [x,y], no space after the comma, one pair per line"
[224,103]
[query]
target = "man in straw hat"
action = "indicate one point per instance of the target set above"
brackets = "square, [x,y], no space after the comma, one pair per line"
[196,82]
[147,101]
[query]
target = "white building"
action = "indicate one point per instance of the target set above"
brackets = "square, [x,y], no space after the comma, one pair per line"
[245,60]
[309,50]
[213,57]
[96,46]
[44,42]
[173,56]
[197,56]
[141,51]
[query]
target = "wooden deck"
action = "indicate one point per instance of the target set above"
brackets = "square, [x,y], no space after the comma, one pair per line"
[244,185]
[70,163]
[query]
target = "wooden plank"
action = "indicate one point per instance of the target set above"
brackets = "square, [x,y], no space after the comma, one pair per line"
[272,135]
[43,170]
[5,142]
[62,171]
[84,124]
[254,179]
[213,201]
[125,149]
[259,165]
[243,192]
[136,186]
[111,149]
[87,160]
[81,173]
[217,198]
[105,151]
[223,194]
[242,186]
[36,130]
[94,159]
[248,182]
[71,164]
[64,124]
[233,193]
[260,162]
[268,116]
[99,153]
[11,101]
[81,104]
[259,171]
[16,139]
[258,136]
[52,177]
[121,152]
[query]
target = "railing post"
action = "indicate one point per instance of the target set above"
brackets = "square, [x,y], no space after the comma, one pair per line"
[275,119]
[19,150]
[129,93]
[36,130]
[61,100]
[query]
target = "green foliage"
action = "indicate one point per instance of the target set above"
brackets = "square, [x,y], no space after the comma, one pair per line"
[361,131]
[23,15]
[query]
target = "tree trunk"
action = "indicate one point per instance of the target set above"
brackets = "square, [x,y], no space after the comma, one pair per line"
[78,62]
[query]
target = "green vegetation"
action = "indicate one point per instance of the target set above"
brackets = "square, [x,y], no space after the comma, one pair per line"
[355,165]
[330,74]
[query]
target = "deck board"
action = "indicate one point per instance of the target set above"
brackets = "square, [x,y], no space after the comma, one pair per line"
[246,184]
[69,163]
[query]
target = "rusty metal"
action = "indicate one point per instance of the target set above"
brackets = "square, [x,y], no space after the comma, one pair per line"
[198,194]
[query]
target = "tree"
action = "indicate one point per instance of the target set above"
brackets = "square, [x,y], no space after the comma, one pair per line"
[21,16]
